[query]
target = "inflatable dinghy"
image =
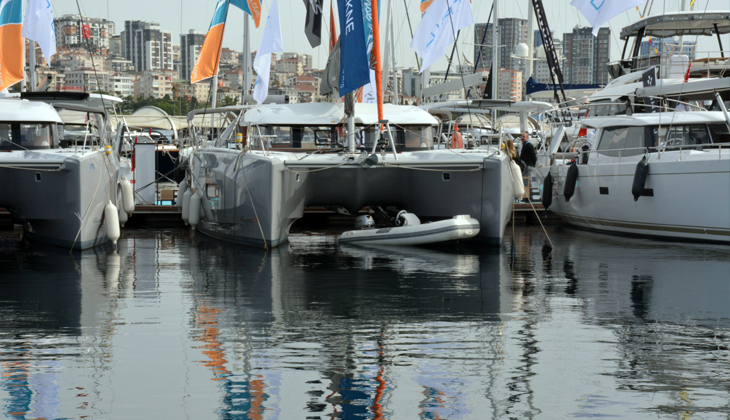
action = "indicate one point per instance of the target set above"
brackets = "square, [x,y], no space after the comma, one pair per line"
[412,232]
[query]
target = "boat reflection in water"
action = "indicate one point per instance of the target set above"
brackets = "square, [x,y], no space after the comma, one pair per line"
[180,326]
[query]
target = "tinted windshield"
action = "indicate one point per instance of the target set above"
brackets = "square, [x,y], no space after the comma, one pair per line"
[19,136]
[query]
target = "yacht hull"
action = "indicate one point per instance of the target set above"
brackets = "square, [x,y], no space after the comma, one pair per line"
[687,196]
[59,196]
[254,198]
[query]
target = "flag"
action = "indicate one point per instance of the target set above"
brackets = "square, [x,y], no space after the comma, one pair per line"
[38,26]
[209,57]
[12,55]
[599,12]
[425,4]
[435,32]
[686,75]
[369,91]
[313,22]
[354,67]
[333,28]
[252,7]
[367,15]
[86,31]
[270,43]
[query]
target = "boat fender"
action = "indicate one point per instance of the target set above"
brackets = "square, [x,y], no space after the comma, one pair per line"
[207,210]
[111,217]
[547,191]
[194,211]
[407,219]
[127,196]
[517,185]
[570,181]
[123,217]
[181,188]
[642,171]
[186,205]
[528,154]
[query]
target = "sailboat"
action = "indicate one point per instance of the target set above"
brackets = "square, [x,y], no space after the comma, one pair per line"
[69,197]
[255,180]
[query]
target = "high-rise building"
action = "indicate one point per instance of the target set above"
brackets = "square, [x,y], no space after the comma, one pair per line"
[511,32]
[190,45]
[509,85]
[69,33]
[586,56]
[147,46]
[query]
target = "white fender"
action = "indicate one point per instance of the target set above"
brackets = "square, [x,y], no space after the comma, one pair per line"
[186,205]
[181,188]
[194,212]
[517,184]
[207,210]
[127,196]
[123,218]
[111,214]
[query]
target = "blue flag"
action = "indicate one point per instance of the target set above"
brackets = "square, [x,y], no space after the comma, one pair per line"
[354,67]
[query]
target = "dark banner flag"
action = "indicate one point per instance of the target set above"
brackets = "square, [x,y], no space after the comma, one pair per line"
[547,40]
[354,66]
[313,22]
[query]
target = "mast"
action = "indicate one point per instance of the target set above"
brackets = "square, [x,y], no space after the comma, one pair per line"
[246,60]
[495,51]
[392,57]
[376,57]
[31,65]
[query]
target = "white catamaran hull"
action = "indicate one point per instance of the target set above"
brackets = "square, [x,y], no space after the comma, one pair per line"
[59,195]
[687,196]
[255,197]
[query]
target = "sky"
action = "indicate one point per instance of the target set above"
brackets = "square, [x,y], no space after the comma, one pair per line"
[179,16]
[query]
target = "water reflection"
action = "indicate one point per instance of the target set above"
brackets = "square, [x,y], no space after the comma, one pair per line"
[181,326]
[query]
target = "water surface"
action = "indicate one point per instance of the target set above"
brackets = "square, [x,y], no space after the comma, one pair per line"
[180,326]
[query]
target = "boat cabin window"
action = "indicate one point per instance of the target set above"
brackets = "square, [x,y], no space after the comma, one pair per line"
[21,136]
[683,135]
[719,133]
[605,108]
[622,141]
[407,138]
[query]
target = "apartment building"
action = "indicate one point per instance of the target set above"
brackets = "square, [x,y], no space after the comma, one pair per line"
[147,46]
[190,45]
[69,33]
[586,56]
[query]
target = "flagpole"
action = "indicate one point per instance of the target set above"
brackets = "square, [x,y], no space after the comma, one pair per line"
[31,65]
[376,56]
[246,60]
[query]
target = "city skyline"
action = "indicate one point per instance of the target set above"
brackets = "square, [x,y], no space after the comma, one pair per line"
[180,16]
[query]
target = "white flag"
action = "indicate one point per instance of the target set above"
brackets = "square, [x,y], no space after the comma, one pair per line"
[38,26]
[437,29]
[599,12]
[270,43]
[369,91]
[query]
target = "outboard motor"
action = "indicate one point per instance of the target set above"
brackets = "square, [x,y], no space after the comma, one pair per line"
[570,181]
[642,171]
[364,221]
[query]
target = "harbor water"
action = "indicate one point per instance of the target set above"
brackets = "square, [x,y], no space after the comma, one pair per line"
[179,326]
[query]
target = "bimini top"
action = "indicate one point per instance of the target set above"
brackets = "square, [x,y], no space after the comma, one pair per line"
[27,111]
[659,118]
[680,23]
[328,113]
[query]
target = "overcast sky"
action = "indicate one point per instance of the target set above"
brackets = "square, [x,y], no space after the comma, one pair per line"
[181,15]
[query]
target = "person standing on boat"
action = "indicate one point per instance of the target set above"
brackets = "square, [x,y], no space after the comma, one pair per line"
[456,140]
